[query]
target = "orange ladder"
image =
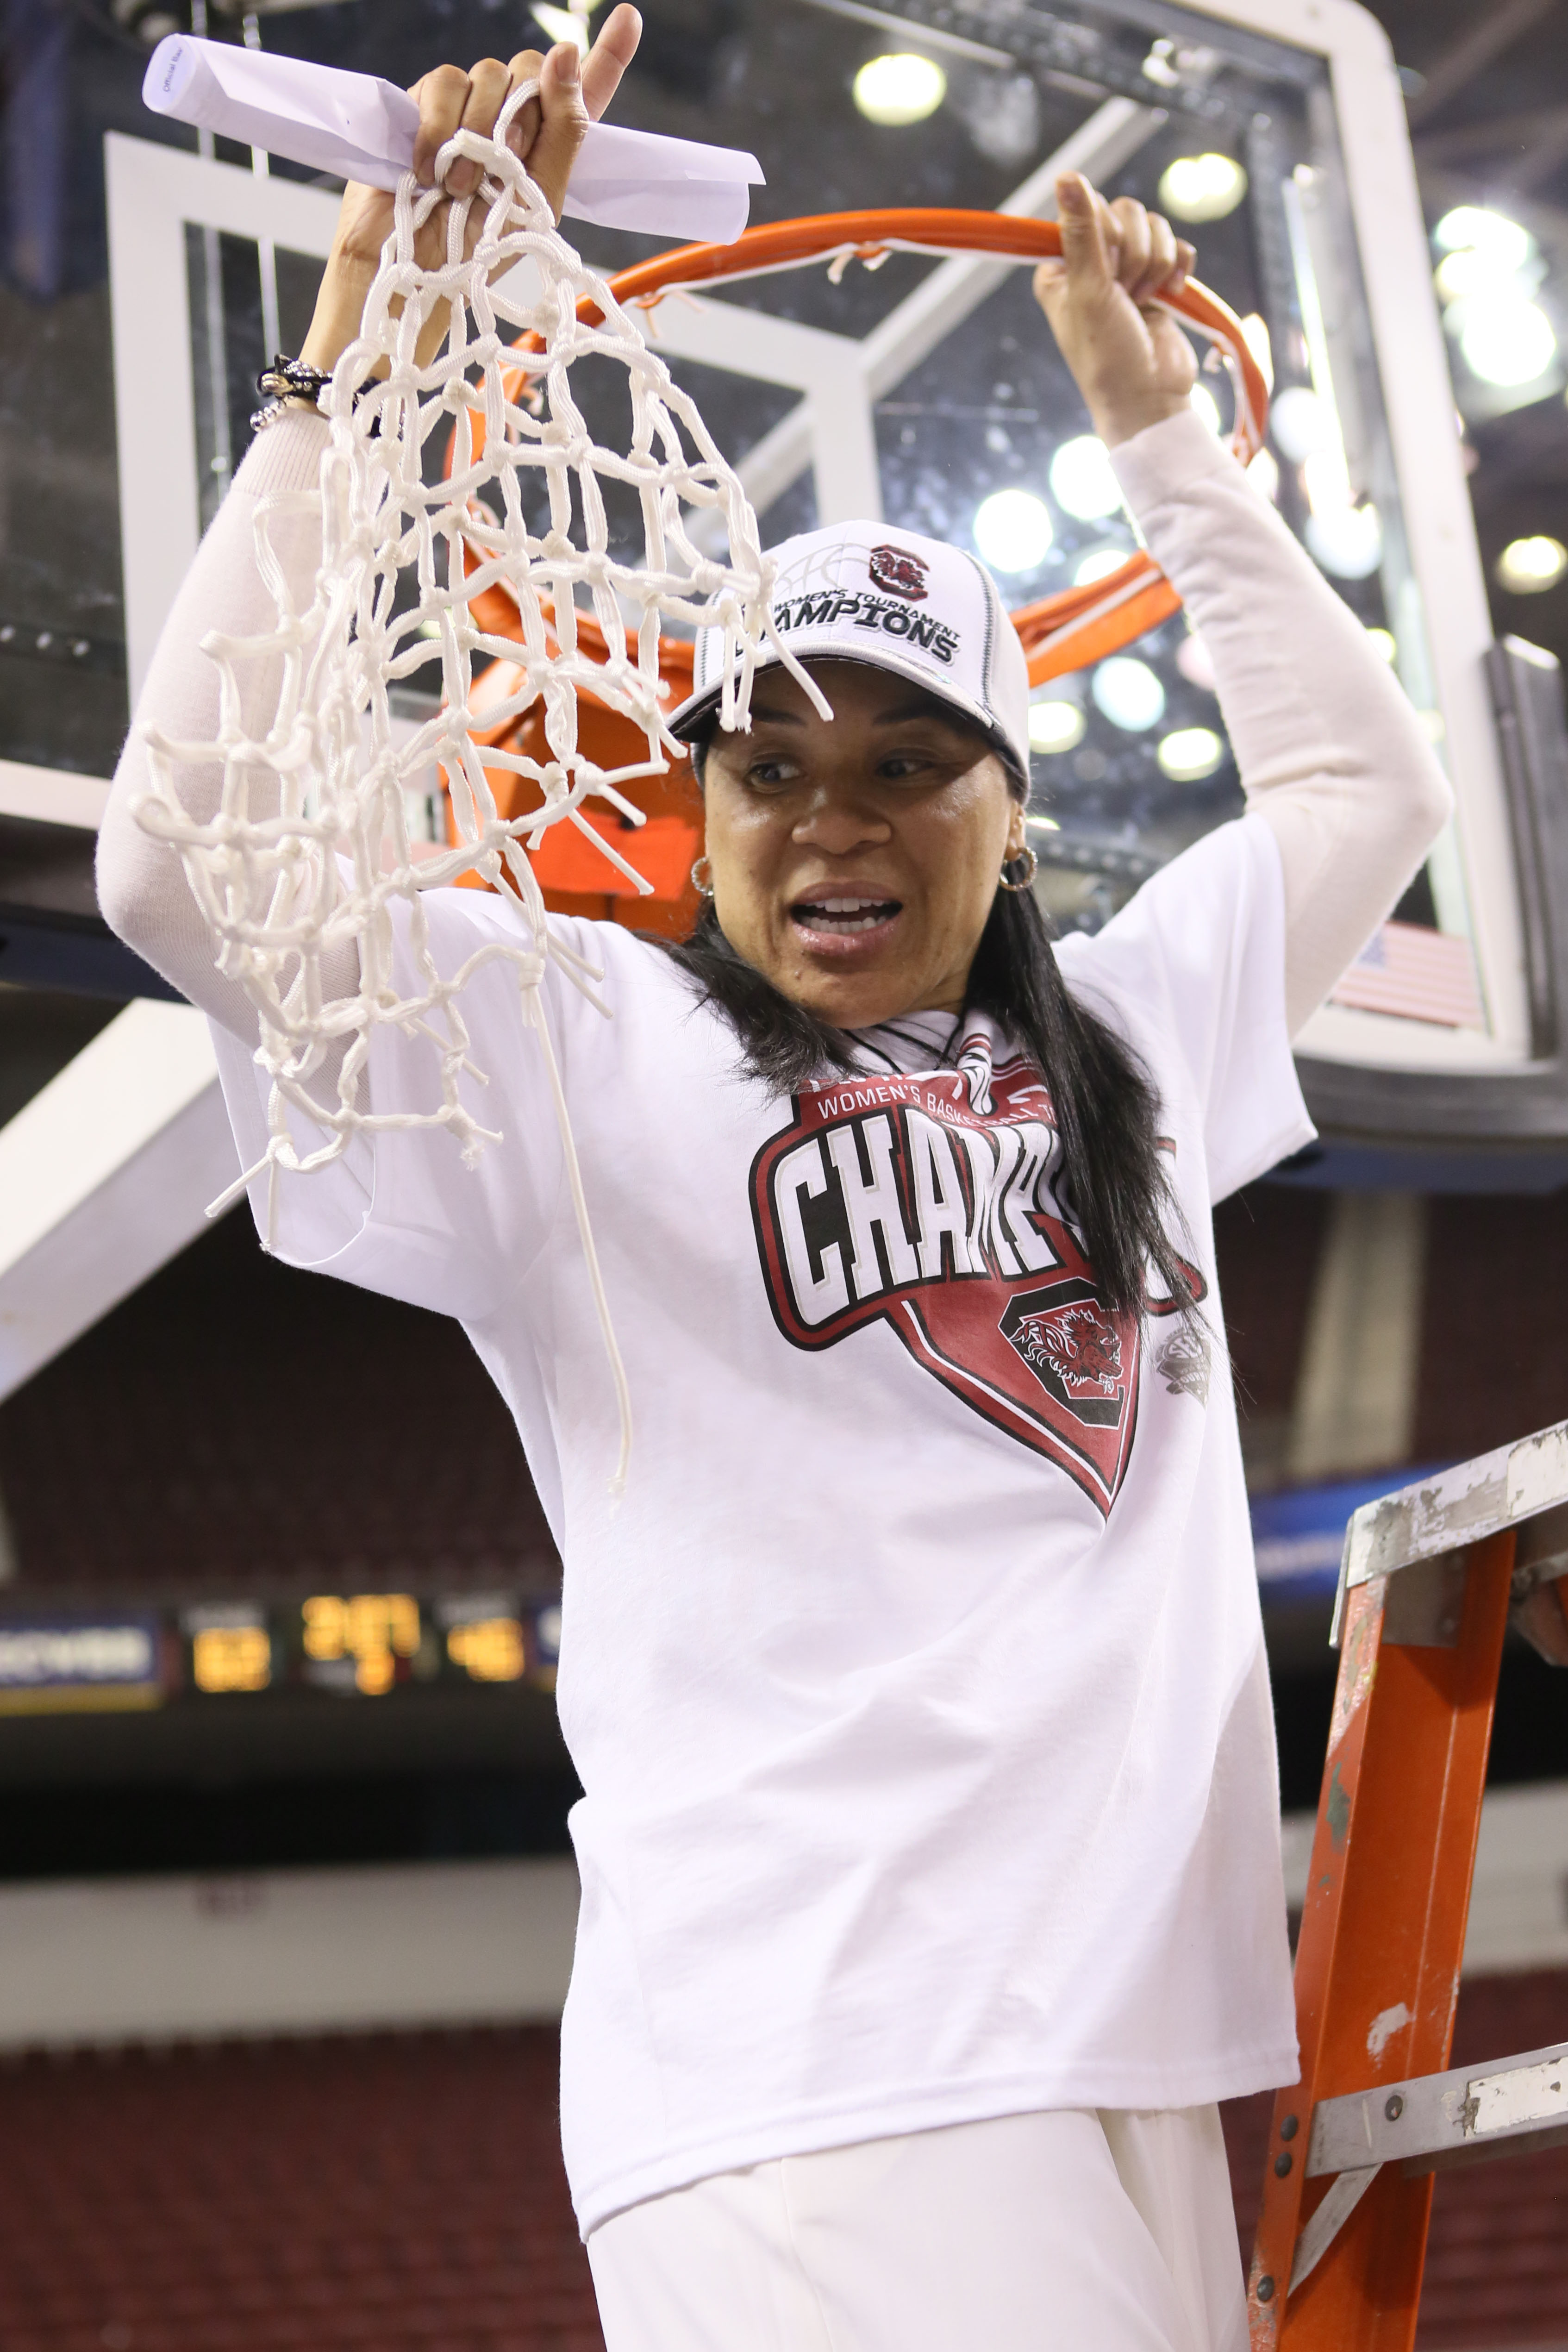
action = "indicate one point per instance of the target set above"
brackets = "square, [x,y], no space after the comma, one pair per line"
[1426,1586]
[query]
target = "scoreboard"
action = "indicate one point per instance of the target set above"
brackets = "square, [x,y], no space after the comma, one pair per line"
[354,1645]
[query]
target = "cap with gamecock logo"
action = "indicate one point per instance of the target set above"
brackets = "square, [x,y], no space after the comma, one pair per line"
[871,593]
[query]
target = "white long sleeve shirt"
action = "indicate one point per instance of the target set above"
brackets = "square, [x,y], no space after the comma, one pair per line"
[915,1681]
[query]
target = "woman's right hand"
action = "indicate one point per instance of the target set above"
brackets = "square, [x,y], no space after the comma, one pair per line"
[547,135]
[1129,358]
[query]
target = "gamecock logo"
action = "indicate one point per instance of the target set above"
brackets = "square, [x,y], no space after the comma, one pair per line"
[1072,1347]
[901,573]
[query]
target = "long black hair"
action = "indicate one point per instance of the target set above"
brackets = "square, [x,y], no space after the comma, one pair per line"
[1113,1185]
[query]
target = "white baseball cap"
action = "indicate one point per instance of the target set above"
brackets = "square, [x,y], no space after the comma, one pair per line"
[868,592]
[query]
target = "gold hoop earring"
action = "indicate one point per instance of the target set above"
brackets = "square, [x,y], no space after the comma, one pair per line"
[703,889]
[1019,871]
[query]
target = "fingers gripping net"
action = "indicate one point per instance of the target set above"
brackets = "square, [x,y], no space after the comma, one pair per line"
[306,873]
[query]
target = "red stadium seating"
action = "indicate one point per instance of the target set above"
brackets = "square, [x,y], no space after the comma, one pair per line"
[404,2193]
[386,2193]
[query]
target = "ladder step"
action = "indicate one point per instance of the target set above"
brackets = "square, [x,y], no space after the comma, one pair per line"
[1457,1507]
[1506,2107]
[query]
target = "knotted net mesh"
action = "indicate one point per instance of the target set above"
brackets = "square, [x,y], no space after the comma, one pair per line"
[307,873]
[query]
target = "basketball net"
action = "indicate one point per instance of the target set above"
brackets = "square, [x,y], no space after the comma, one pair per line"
[310,854]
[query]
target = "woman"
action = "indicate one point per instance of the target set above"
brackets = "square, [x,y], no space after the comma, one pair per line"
[931,1890]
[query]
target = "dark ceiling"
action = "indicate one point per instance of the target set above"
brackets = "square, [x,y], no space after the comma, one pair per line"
[1488,116]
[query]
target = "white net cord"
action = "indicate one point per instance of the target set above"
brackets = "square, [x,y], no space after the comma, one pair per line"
[306,873]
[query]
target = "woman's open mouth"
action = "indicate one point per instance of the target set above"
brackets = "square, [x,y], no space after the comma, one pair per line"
[834,924]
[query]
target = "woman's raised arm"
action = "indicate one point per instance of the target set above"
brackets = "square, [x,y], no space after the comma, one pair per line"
[1331,754]
[140,882]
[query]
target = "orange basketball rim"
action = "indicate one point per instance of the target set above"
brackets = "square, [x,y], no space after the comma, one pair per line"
[1065,632]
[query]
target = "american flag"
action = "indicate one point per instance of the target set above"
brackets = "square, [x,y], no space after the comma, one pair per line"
[1420,974]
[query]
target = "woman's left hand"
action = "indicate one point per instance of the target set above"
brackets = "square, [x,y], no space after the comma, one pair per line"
[1129,358]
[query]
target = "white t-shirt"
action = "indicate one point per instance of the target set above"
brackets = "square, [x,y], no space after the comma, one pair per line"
[915,1681]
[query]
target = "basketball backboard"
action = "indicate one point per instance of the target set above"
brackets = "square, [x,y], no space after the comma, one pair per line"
[930,393]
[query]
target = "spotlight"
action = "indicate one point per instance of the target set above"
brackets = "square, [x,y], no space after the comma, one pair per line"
[1460,275]
[146,19]
[1507,340]
[1327,480]
[1299,423]
[1082,481]
[1013,529]
[1345,542]
[899,87]
[1526,566]
[1202,187]
[1474,228]
[1099,564]
[1054,726]
[561,23]
[1189,753]
[1129,694]
[1383,645]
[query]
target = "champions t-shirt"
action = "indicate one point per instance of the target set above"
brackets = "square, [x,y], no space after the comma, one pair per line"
[915,1679]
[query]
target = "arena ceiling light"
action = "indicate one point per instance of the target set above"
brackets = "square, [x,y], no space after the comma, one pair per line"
[151,24]
[562,24]
[1506,340]
[899,87]
[1325,478]
[1488,279]
[1202,187]
[1190,753]
[1129,694]
[1476,229]
[1345,542]
[1300,424]
[1013,531]
[1527,566]
[1098,565]
[1343,534]
[1082,481]
[1054,726]
[1460,275]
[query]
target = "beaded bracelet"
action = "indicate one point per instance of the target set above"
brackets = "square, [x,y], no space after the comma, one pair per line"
[286,380]
[290,379]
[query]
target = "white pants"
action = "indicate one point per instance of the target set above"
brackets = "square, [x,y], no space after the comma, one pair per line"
[1070,2231]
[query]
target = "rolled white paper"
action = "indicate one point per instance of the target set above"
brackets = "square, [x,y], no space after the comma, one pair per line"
[358,127]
